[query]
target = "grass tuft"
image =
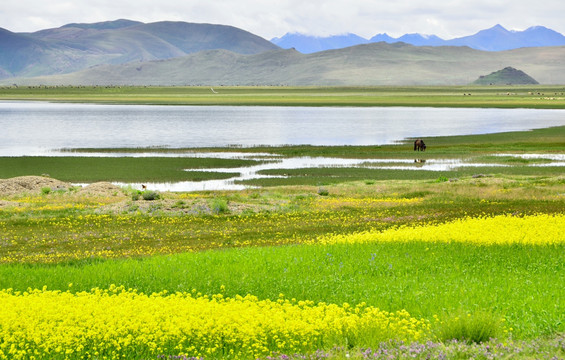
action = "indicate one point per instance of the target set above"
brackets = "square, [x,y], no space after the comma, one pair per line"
[477,327]
[219,206]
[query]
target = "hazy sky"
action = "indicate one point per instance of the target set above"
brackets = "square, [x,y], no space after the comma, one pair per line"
[274,18]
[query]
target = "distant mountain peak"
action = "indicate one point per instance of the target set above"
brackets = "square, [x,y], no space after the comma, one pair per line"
[307,44]
[495,38]
[496,29]
[537,27]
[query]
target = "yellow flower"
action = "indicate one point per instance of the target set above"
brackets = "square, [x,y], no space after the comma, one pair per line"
[541,229]
[125,323]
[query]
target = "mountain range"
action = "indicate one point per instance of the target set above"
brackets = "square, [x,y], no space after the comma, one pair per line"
[125,52]
[75,47]
[496,38]
[369,64]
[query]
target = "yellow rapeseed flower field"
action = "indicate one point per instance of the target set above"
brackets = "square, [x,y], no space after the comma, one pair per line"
[541,229]
[119,323]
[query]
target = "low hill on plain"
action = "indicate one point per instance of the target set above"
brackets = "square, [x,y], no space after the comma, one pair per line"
[506,76]
[369,64]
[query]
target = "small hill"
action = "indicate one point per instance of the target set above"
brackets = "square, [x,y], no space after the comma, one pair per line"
[506,76]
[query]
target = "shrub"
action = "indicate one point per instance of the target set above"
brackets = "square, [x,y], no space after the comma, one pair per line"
[323,191]
[150,195]
[45,190]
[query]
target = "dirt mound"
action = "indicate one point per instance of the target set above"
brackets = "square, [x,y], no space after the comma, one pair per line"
[102,188]
[30,185]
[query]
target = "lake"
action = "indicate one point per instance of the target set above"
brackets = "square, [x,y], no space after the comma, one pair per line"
[38,128]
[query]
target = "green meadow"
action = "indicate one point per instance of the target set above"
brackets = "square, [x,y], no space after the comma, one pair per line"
[498,301]
[264,242]
[518,283]
[93,169]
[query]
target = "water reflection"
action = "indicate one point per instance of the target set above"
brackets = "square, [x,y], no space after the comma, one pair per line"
[556,159]
[35,128]
[431,165]
[249,172]
[255,172]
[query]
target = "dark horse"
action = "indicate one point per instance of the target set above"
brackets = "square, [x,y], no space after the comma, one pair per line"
[419,145]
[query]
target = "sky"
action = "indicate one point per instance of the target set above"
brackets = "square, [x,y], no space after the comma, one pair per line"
[273,18]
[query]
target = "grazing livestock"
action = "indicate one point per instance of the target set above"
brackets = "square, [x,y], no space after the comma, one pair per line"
[419,145]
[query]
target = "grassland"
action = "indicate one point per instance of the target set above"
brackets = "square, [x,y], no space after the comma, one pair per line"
[267,243]
[101,252]
[535,96]
[93,169]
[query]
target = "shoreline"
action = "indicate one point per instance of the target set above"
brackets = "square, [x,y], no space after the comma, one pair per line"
[511,96]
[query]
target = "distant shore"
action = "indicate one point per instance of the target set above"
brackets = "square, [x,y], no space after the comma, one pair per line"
[517,96]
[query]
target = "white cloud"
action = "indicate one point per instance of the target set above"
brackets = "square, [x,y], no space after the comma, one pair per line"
[447,19]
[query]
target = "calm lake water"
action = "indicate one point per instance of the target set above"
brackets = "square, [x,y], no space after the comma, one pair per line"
[30,128]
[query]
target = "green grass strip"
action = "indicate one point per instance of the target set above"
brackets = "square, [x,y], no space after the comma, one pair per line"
[518,282]
[438,96]
[126,169]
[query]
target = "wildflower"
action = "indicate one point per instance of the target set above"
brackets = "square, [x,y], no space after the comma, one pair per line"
[126,323]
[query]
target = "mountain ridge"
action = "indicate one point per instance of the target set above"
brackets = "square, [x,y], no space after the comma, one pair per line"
[105,25]
[181,53]
[366,64]
[496,38]
[74,47]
